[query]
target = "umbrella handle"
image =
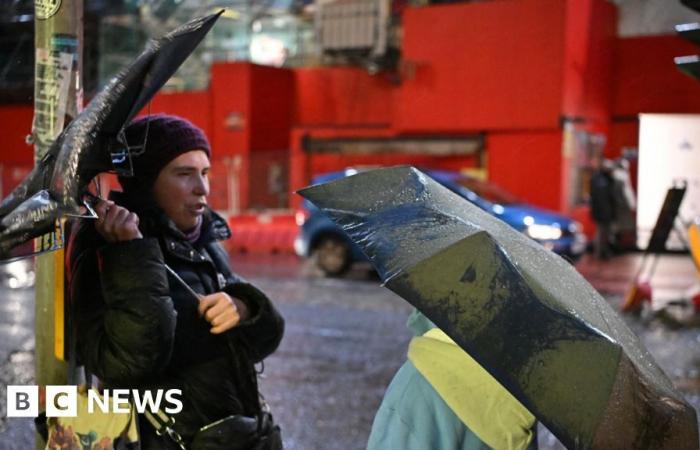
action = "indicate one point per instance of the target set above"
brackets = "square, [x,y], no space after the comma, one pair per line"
[182,282]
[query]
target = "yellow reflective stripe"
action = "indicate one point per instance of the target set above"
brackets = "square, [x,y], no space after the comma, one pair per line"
[59,302]
[478,399]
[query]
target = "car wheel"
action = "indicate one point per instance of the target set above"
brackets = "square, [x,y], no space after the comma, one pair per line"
[332,256]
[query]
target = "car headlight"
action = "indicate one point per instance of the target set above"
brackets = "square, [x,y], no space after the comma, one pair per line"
[543,232]
[300,217]
[575,227]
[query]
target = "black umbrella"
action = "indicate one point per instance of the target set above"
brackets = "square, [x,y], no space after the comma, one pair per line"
[93,142]
[521,311]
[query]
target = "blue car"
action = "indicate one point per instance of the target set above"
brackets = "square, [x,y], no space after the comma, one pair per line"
[333,252]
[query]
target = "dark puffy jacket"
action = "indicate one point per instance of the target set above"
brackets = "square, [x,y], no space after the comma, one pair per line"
[138,327]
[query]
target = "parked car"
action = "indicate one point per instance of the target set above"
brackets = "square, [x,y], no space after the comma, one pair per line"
[333,252]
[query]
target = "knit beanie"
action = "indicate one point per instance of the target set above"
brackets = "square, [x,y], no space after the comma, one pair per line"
[155,140]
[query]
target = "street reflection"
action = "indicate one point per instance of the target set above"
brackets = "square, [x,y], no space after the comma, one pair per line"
[344,340]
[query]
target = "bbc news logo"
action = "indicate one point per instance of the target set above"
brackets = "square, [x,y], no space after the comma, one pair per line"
[62,401]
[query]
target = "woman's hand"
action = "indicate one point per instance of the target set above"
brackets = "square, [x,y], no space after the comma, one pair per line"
[222,311]
[115,223]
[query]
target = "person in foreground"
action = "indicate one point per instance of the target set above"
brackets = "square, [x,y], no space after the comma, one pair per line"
[442,399]
[137,326]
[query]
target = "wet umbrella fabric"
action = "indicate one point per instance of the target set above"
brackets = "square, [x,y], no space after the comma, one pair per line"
[521,311]
[93,141]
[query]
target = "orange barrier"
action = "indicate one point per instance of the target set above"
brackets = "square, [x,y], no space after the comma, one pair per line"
[262,233]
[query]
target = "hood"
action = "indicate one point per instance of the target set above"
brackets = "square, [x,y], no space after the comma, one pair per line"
[419,324]
[487,409]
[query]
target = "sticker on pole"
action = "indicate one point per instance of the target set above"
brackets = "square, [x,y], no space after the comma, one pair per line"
[45,9]
[51,87]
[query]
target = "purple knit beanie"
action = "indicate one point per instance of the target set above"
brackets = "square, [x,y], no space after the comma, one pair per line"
[165,138]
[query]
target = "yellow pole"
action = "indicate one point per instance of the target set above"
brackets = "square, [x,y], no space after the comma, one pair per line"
[57,99]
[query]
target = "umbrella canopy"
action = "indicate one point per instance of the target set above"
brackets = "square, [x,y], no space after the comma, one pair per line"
[521,311]
[93,142]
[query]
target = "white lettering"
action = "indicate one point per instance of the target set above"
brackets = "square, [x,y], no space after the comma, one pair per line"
[147,400]
[22,401]
[102,401]
[170,397]
[61,401]
[120,397]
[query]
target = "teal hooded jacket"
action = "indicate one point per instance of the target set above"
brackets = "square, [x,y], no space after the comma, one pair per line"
[414,416]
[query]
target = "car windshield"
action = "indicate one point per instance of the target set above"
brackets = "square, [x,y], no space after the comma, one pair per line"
[488,191]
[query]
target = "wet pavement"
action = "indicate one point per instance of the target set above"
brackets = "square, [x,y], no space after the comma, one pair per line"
[17,362]
[344,341]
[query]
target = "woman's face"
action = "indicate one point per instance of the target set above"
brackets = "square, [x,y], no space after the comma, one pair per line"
[182,187]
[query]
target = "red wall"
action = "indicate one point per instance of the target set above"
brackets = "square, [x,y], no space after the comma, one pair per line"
[16,124]
[11,176]
[330,163]
[622,134]
[589,60]
[647,80]
[251,118]
[301,167]
[251,107]
[485,65]
[528,164]
[304,167]
[193,106]
[231,108]
[272,96]
[509,68]
[343,97]
[271,107]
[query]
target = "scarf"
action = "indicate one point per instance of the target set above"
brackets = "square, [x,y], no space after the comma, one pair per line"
[192,236]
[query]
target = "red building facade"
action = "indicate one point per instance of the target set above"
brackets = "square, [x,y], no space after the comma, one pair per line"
[528,78]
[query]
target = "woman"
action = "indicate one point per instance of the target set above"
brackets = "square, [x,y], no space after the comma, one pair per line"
[139,326]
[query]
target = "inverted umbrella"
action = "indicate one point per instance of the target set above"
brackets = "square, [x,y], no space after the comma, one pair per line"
[521,311]
[93,142]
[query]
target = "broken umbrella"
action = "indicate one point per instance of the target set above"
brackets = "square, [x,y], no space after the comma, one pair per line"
[521,311]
